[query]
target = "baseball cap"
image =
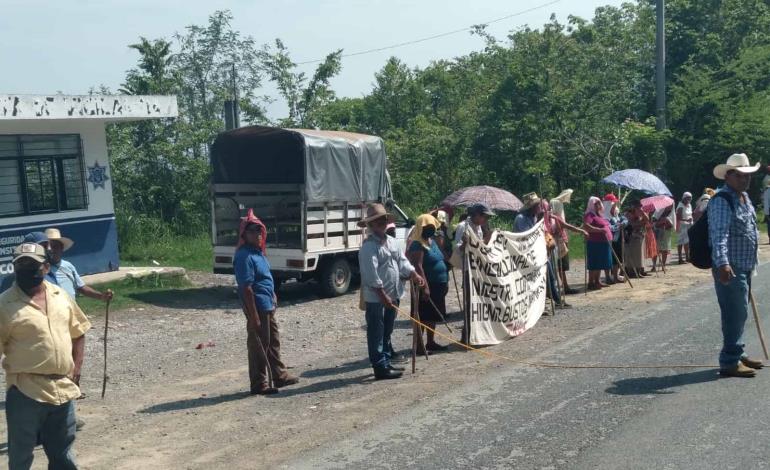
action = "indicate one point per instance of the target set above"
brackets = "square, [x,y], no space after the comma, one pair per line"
[30,250]
[480,209]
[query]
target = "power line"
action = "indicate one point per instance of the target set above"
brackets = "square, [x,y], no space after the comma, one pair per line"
[436,36]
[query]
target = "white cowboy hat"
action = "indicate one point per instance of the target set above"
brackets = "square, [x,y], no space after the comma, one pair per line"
[737,161]
[55,234]
[565,196]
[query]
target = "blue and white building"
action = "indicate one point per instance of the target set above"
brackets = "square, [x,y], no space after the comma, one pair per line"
[55,171]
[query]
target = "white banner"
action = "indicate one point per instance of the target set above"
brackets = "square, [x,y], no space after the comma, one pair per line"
[507,284]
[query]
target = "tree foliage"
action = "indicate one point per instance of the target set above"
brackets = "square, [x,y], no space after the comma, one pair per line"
[542,109]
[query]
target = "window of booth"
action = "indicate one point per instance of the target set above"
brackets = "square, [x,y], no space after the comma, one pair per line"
[41,173]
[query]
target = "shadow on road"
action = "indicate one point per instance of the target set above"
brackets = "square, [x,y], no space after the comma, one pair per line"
[194,403]
[661,385]
[340,369]
[316,387]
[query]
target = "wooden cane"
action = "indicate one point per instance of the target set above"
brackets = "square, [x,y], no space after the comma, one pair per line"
[457,291]
[622,266]
[265,348]
[548,291]
[759,325]
[585,271]
[106,326]
[443,318]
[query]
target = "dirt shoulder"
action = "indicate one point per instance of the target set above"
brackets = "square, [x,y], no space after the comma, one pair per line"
[170,405]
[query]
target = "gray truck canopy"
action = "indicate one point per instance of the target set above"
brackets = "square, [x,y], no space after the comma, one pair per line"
[333,166]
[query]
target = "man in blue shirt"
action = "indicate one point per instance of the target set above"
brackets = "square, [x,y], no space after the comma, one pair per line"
[64,272]
[382,263]
[257,293]
[734,239]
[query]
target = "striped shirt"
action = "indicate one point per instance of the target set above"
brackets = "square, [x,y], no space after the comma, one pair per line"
[733,234]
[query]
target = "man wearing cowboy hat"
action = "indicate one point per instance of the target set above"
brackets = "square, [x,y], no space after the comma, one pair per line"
[66,275]
[42,335]
[525,220]
[382,263]
[734,239]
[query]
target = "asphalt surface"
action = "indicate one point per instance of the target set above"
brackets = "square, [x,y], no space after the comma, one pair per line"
[527,418]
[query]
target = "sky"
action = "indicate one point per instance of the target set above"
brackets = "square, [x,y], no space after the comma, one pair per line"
[70,46]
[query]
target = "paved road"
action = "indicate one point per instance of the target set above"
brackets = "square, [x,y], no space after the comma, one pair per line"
[587,419]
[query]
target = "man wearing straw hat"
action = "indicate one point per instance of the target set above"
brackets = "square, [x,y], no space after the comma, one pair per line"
[66,275]
[525,220]
[382,263]
[734,238]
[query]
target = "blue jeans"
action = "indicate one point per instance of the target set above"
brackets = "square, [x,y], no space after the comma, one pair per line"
[29,422]
[734,306]
[379,327]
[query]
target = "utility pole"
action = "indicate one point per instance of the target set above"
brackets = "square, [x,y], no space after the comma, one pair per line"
[660,65]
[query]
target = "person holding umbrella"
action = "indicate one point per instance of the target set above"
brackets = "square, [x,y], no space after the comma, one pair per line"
[663,224]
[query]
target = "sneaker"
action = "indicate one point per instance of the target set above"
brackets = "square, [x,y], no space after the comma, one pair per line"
[752,363]
[738,370]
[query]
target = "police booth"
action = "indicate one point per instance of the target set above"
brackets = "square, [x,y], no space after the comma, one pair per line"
[55,171]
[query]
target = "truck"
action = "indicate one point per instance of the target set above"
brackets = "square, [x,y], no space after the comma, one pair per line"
[310,188]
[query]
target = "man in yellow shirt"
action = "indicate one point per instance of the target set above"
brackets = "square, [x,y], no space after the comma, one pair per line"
[42,336]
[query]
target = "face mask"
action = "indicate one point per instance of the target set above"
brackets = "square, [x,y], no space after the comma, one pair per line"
[428,233]
[29,278]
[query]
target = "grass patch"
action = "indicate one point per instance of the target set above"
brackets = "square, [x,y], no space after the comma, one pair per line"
[128,292]
[190,252]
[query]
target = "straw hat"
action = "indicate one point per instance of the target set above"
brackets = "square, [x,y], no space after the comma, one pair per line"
[374,212]
[54,234]
[530,200]
[565,196]
[737,161]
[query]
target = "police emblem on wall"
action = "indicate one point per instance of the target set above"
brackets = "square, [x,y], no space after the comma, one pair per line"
[97,175]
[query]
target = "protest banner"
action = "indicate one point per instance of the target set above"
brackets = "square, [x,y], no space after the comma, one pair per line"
[507,284]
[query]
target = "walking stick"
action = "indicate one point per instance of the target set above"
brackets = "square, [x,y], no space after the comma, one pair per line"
[759,325]
[443,318]
[585,271]
[106,326]
[270,378]
[622,266]
[548,291]
[457,291]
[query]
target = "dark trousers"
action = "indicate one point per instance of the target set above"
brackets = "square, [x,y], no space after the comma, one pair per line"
[552,285]
[264,351]
[29,421]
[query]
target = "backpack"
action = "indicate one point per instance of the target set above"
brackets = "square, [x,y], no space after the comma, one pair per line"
[700,248]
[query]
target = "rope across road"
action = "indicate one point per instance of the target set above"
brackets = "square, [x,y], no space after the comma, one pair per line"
[550,365]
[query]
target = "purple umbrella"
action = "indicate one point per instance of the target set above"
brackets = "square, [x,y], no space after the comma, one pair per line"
[639,180]
[493,198]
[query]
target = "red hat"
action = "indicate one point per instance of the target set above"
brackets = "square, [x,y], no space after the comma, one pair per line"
[252,219]
[610,197]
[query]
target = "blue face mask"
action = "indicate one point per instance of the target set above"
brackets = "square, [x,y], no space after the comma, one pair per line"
[428,232]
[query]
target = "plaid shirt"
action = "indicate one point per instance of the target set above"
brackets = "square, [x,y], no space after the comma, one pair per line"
[733,235]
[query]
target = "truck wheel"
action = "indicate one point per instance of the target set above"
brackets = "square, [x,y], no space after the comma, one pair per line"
[335,277]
